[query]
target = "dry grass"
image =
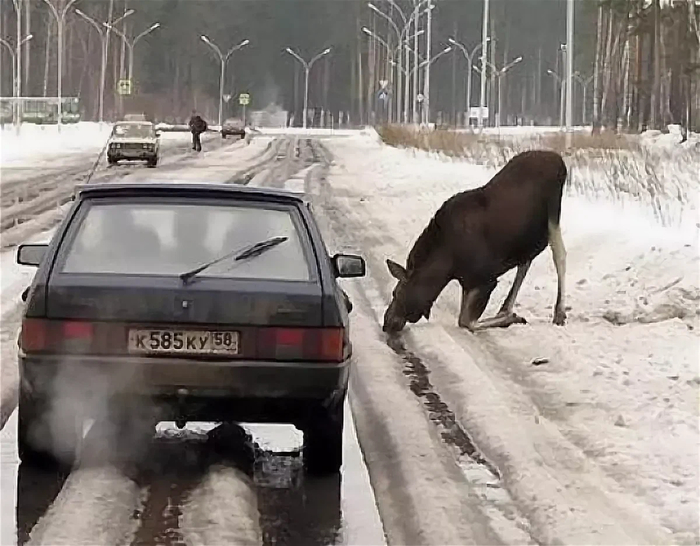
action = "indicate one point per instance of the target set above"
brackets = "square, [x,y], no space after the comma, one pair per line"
[609,166]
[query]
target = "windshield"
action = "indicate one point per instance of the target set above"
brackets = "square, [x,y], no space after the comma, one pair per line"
[133,131]
[169,239]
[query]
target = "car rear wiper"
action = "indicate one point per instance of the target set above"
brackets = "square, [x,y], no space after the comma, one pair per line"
[250,252]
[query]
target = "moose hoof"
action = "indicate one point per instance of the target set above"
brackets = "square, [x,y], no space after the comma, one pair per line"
[559,318]
[466,325]
[517,319]
[508,320]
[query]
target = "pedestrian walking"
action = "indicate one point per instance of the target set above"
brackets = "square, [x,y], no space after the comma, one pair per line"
[197,127]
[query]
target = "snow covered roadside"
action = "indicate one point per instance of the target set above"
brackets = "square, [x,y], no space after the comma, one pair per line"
[616,403]
[45,141]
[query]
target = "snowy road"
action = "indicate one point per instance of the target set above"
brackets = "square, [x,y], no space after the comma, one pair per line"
[194,486]
[586,434]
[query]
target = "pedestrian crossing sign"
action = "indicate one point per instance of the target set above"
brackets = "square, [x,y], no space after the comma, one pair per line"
[124,87]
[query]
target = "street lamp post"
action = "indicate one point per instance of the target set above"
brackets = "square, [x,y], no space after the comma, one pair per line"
[390,54]
[224,59]
[60,17]
[130,44]
[561,83]
[17,78]
[569,64]
[408,21]
[469,57]
[426,62]
[15,54]
[584,85]
[499,74]
[399,37]
[103,62]
[307,69]
[484,47]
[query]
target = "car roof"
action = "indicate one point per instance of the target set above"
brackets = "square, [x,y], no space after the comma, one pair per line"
[188,189]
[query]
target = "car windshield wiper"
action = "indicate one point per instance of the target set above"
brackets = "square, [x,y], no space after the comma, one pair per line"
[250,252]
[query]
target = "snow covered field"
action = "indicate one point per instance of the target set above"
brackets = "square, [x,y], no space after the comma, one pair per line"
[599,443]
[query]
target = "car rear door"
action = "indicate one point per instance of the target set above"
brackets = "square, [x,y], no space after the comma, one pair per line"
[111,305]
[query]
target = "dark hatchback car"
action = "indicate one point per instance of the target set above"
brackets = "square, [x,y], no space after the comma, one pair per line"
[200,302]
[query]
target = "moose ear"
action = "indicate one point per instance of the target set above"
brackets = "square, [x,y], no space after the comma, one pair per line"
[396,270]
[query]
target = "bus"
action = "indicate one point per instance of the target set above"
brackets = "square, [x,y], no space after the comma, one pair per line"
[41,110]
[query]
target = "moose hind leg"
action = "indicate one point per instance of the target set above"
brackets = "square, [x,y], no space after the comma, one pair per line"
[556,243]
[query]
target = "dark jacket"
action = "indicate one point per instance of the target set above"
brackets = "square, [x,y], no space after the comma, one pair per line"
[197,124]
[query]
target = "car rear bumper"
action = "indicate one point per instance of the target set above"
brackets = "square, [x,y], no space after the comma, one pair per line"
[280,392]
[165,376]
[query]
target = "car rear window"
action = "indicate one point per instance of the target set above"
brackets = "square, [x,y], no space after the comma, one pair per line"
[170,239]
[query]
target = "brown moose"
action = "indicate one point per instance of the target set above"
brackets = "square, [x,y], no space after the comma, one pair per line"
[478,235]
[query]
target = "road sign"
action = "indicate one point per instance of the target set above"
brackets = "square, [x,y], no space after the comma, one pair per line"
[244,98]
[124,87]
[420,97]
[383,84]
[226,98]
[474,112]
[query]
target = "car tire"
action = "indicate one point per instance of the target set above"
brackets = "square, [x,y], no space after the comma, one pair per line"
[111,161]
[38,444]
[153,162]
[323,440]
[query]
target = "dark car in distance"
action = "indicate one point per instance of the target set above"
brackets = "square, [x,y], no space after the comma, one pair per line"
[233,126]
[202,302]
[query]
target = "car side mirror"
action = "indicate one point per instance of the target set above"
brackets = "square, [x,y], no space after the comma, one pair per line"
[348,266]
[157,134]
[31,254]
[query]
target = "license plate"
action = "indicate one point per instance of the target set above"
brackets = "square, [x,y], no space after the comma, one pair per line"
[198,342]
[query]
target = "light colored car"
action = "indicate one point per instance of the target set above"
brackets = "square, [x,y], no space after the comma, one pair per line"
[134,140]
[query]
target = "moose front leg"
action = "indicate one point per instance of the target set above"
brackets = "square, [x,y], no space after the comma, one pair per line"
[505,316]
[509,303]
[474,301]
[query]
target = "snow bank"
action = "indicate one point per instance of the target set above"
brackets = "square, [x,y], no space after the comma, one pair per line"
[45,140]
[309,132]
[36,142]
[618,385]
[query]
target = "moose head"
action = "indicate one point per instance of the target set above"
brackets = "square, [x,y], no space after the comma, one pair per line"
[412,298]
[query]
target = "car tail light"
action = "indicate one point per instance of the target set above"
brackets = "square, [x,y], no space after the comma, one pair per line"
[311,344]
[33,335]
[49,336]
